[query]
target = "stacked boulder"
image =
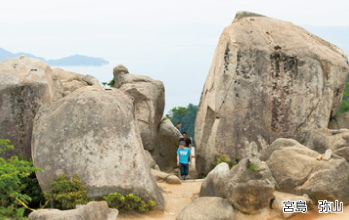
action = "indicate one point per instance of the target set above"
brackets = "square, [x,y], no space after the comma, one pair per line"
[249,186]
[93,132]
[268,79]
[25,85]
[69,124]
[304,171]
[159,136]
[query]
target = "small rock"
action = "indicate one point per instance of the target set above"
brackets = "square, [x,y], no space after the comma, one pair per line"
[172,179]
[207,208]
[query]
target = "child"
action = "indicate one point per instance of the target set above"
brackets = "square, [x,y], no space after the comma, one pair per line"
[183,159]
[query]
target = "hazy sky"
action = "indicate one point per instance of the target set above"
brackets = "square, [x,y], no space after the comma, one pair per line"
[172,41]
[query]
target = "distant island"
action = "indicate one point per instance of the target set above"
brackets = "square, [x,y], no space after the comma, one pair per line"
[74,60]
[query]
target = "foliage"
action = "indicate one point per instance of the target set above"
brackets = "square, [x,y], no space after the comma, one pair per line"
[66,194]
[32,188]
[12,172]
[231,163]
[276,186]
[110,83]
[345,101]
[251,166]
[128,202]
[187,116]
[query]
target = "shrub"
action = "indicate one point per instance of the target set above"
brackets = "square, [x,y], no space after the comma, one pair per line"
[276,186]
[251,166]
[66,194]
[224,159]
[12,172]
[128,202]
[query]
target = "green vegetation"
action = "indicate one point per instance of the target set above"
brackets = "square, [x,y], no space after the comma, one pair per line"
[128,202]
[110,83]
[187,116]
[66,194]
[231,163]
[15,174]
[276,186]
[345,101]
[251,166]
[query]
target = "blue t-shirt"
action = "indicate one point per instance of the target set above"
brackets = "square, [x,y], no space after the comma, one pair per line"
[184,155]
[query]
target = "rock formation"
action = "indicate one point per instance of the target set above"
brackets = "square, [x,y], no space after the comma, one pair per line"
[249,186]
[92,211]
[72,81]
[301,173]
[158,134]
[268,79]
[323,139]
[207,208]
[340,121]
[214,184]
[93,132]
[25,85]
[149,97]
[167,137]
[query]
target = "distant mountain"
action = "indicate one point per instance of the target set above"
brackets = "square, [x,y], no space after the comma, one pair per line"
[75,60]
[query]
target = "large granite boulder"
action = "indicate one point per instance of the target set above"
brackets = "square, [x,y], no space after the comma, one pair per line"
[300,172]
[207,208]
[25,85]
[166,143]
[93,132]
[92,211]
[268,79]
[72,81]
[323,139]
[149,97]
[249,186]
[213,184]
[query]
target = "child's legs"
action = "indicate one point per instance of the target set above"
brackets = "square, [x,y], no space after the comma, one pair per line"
[186,169]
[181,167]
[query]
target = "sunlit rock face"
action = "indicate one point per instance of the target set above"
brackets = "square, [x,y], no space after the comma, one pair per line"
[268,79]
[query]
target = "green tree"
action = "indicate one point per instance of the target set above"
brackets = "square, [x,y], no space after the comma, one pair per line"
[187,116]
[110,83]
[345,101]
[12,172]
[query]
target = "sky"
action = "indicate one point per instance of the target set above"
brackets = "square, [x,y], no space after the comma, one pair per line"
[172,41]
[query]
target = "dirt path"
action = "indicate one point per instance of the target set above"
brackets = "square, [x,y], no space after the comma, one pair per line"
[176,198]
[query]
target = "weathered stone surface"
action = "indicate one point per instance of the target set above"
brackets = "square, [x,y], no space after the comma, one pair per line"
[281,197]
[93,132]
[162,176]
[72,81]
[268,79]
[340,121]
[173,179]
[207,208]
[149,97]
[150,160]
[25,85]
[324,139]
[301,173]
[249,186]
[213,184]
[92,211]
[166,143]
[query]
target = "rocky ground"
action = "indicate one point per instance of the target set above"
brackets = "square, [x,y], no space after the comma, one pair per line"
[179,196]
